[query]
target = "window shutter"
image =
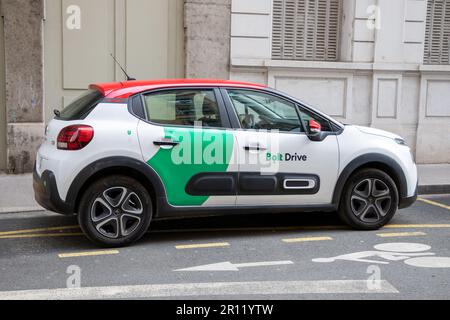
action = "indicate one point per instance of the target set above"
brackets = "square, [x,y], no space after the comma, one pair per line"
[306,29]
[437,34]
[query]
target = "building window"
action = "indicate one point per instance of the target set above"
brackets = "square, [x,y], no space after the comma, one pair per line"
[306,29]
[437,35]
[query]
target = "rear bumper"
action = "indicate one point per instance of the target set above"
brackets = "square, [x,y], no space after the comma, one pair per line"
[408,201]
[46,193]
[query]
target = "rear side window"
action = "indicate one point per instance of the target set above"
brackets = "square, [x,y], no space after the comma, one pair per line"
[81,106]
[183,108]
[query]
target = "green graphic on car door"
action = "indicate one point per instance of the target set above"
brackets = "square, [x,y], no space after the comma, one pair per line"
[199,151]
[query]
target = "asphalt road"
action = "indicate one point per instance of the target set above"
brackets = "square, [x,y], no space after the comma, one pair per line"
[288,256]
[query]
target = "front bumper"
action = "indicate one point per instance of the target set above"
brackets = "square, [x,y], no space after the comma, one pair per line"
[46,193]
[408,201]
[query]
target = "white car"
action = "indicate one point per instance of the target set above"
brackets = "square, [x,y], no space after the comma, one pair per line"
[124,154]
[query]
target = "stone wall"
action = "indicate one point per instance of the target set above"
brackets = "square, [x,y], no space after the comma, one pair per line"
[23,80]
[207,38]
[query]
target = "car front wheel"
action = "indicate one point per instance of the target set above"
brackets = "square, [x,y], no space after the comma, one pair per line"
[115,211]
[369,200]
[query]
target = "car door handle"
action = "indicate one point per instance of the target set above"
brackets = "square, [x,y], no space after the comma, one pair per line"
[167,143]
[256,147]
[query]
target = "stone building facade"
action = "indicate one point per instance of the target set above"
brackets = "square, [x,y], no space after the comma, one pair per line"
[380,63]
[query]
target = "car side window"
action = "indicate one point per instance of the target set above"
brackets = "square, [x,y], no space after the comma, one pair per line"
[306,115]
[183,108]
[81,106]
[258,110]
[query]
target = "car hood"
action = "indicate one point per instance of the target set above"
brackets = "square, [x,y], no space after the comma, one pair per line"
[378,132]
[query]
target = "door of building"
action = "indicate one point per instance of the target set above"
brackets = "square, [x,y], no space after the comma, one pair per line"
[79,36]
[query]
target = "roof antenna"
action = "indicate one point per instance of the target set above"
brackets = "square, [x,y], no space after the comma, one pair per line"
[128,77]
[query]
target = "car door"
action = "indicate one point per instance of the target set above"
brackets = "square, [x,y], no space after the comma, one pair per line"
[278,163]
[184,138]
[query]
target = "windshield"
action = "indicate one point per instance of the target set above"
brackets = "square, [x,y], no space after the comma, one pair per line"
[81,106]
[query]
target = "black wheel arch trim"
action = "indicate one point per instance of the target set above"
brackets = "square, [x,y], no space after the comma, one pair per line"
[396,173]
[46,193]
[113,163]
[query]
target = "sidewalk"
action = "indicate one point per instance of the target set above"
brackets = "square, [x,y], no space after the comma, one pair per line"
[16,191]
[434,178]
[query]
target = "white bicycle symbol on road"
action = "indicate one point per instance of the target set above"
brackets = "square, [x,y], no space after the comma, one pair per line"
[412,254]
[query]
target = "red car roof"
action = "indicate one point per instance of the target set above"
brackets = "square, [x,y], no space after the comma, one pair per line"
[128,88]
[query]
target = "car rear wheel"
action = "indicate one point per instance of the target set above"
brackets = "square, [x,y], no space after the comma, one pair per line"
[115,211]
[369,200]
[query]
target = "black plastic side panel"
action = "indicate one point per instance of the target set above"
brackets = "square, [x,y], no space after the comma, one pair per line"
[209,184]
[46,193]
[167,211]
[248,183]
[254,183]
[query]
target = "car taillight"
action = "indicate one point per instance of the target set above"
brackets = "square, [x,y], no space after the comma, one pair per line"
[75,137]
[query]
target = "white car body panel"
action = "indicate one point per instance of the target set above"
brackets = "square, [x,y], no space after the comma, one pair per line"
[111,123]
[119,133]
[322,160]
[356,141]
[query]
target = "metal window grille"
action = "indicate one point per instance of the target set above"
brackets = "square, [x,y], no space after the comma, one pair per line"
[306,29]
[437,34]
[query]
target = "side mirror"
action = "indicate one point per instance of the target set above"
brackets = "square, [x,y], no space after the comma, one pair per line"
[314,131]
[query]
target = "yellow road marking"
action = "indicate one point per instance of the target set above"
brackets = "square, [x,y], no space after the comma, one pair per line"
[406,226]
[298,228]
[401,234]
[306,239]
[40,235]
[87,253]
[203,245]
[32,233]
[434,203]
[5,233]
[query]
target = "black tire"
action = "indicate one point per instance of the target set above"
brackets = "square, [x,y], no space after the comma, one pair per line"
[115,211]
[369,200]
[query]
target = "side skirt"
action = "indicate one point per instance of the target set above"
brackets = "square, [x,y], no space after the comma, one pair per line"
[166,211]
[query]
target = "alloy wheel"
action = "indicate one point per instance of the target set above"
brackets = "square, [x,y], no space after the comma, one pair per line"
[117,212]
[370,200]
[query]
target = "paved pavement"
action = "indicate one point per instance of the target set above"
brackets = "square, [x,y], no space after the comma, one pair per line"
[434,178]
[279,256]
[16,193]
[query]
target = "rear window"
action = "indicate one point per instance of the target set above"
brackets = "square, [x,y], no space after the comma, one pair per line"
[81,106]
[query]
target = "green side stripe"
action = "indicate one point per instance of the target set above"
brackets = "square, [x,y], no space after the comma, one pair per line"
[199,151]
